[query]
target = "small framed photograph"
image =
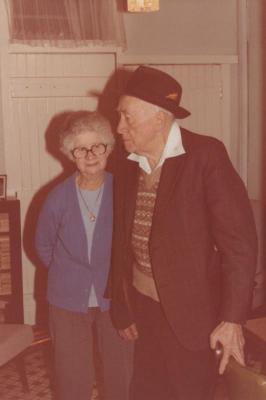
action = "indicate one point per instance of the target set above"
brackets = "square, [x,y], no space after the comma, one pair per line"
[3,182]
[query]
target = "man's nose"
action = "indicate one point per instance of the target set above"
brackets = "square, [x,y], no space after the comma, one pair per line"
[121,127]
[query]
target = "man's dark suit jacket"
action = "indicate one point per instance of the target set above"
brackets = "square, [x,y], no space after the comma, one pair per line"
[203,243]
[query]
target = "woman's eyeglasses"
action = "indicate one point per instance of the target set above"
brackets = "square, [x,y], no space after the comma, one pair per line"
[96,149]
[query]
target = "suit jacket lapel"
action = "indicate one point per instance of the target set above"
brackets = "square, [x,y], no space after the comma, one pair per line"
[131,187]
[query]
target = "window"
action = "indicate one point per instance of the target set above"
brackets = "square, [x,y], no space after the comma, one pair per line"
[65,22]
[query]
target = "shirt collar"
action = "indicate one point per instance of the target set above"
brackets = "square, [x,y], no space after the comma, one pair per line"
[172,148]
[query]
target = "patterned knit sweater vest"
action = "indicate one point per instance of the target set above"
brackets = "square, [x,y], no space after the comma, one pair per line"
[143,279]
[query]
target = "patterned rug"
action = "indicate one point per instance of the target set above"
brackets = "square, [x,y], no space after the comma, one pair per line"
[38,365]
[38,371]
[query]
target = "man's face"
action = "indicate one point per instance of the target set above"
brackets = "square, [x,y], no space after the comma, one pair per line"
[137,125]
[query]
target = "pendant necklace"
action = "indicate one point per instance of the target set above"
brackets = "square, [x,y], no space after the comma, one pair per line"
[92,216]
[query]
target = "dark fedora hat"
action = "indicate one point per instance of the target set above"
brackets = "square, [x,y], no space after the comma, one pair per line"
[156,87]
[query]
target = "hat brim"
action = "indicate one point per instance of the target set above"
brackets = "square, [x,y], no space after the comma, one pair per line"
[181,113]
[178,111]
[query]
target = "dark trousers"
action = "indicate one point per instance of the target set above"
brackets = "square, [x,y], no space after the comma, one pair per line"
[73,336]
[163,369]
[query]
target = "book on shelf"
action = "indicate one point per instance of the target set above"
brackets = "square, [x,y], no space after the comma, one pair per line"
[5,258]
[5,283]
[3,304]
[4,222]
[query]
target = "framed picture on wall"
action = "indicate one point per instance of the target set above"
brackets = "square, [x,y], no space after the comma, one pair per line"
[3,182]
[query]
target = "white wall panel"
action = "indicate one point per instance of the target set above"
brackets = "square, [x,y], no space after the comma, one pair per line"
[201,96]
[66,64]
[55,86]
[34,100]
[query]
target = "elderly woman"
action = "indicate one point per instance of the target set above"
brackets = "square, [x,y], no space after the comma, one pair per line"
[73,240]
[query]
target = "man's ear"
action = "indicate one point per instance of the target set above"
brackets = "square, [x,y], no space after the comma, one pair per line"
[163,120]
[160,118]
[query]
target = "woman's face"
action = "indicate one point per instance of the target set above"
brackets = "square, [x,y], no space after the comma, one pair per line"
[90,165]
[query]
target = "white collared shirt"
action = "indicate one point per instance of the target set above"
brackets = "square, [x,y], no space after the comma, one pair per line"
[172,148]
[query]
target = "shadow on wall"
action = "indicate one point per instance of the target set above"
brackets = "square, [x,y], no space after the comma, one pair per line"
[107,105]
[40,281]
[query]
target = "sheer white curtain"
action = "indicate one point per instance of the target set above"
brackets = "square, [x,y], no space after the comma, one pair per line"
[65,22]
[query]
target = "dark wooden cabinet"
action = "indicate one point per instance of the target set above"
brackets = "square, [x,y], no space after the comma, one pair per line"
[11,287]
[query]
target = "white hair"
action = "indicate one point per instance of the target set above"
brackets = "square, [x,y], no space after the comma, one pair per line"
[158,108]
[154,108]
[85,121]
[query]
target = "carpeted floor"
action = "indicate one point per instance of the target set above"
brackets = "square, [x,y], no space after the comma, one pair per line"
[38,371]
[38,365]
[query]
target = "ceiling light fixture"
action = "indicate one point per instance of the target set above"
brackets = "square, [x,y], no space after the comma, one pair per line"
[142,5]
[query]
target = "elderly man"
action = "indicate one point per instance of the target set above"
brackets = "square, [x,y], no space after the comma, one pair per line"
[184,246]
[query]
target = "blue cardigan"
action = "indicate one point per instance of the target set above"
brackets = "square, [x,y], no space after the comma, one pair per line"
[61,244]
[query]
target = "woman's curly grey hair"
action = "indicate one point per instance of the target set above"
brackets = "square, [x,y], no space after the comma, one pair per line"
[78,122]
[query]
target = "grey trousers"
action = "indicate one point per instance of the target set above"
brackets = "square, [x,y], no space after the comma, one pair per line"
[87,348]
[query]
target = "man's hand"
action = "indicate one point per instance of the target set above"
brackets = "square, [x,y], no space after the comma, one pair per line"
[230,336]
[129,333]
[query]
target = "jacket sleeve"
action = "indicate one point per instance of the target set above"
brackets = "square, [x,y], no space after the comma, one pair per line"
[233,229]
[120,280]
[46,231]
[120,283]
[121,312]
